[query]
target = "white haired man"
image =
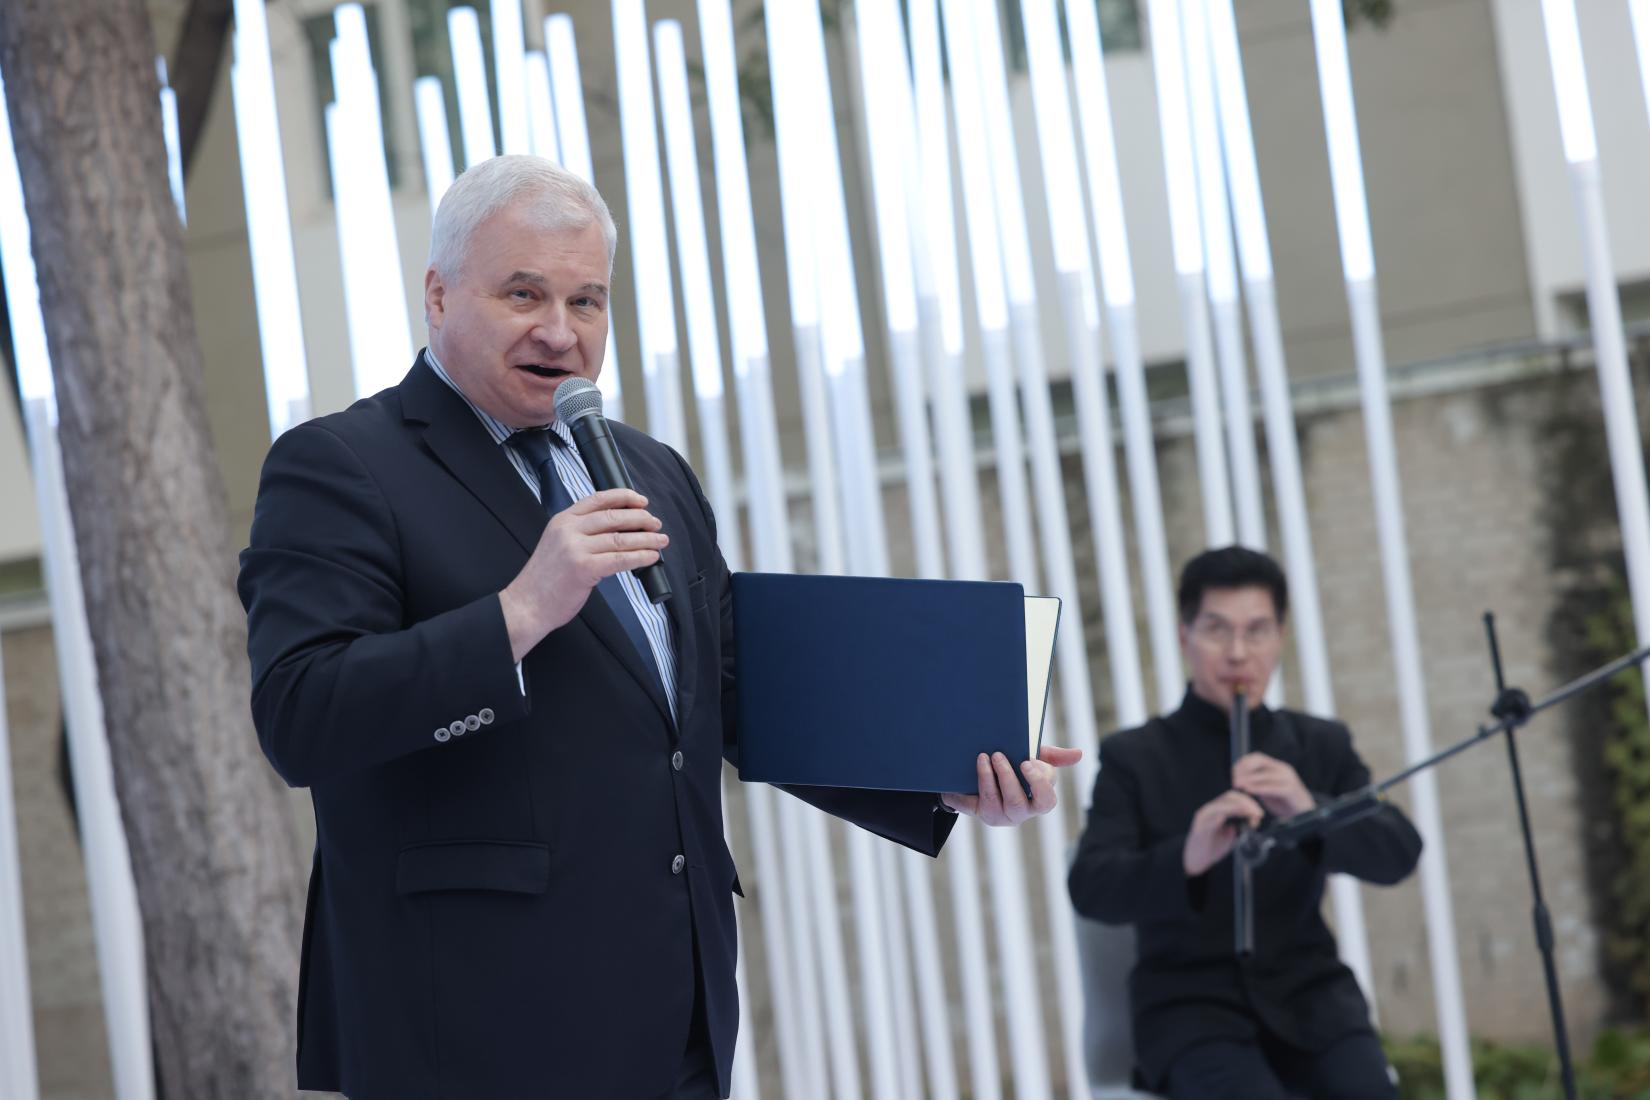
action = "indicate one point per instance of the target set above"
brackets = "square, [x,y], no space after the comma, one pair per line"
[520,885]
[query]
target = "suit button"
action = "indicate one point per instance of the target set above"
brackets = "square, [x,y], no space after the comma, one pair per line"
[472,723]
[485,716]
[676,759]
[457,729]
[442,734]
[677,864]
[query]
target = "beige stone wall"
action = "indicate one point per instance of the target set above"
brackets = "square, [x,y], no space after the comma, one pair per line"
[1468,462]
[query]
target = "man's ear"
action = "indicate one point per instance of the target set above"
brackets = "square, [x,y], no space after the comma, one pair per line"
[435,294]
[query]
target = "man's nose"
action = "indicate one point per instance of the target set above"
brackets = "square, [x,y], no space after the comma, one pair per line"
[554,330]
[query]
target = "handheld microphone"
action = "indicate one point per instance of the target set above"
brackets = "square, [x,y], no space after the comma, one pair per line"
[579,406]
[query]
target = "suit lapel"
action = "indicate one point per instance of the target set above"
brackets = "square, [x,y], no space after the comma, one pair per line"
[461,444]
[677,561]
[601,621]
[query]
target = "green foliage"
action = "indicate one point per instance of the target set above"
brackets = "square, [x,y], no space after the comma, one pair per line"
[1618,1068]
[1609,634]
[1590,624]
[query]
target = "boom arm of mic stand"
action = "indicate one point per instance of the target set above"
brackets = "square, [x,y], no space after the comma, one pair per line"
[1336,814]
[1512,707]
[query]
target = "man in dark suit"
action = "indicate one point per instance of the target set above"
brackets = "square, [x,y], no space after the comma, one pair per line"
[1290,1020]
[520,887]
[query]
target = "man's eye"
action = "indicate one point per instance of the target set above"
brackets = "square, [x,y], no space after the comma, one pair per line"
[521,294]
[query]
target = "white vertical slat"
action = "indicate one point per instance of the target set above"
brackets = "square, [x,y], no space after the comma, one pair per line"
[1283,454]
[116,920]
[1358,264]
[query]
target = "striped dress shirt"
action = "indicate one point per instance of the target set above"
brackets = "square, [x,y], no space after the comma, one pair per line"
[576,480]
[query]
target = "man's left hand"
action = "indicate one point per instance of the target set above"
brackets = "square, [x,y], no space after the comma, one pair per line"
[1002,800]
[1277,785]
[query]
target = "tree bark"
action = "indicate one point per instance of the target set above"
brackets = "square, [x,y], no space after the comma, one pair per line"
[218,875]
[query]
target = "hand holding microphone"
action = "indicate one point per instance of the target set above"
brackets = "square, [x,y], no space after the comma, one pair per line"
[579,406]
[606,533]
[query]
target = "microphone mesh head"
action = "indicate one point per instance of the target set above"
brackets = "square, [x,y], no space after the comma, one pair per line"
[577,398]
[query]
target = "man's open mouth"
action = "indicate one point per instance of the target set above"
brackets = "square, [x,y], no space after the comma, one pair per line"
[543,371]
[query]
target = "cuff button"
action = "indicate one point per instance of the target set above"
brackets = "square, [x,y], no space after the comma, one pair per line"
[485,716]
[442,734]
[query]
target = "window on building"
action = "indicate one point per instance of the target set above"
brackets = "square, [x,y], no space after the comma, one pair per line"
[1119,29]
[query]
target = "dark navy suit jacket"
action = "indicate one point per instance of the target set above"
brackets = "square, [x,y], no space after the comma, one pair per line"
[497,909]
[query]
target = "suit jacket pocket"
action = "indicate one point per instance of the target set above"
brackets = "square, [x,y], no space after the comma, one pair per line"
[507,866]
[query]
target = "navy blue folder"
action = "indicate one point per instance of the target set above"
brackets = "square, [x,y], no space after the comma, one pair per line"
[879,683]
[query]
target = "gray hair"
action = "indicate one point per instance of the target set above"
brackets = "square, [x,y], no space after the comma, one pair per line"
[553,198]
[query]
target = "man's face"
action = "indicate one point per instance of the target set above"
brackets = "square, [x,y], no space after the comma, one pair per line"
[1232,643]
[528,309]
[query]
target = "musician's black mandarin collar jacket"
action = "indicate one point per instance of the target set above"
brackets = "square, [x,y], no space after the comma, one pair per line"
[1187,984]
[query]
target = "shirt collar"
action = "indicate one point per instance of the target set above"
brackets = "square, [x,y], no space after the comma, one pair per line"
[1198,713]
[496,428]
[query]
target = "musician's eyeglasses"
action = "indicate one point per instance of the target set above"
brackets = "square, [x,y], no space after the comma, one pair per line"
[1220,634]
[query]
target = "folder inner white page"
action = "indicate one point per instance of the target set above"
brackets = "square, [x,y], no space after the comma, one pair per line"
[1042,619]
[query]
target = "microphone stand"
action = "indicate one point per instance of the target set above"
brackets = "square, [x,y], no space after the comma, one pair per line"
[1512,708]
[1514,704]
[1243,897]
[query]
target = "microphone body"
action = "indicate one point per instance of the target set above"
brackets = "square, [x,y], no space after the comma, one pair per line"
[579,406]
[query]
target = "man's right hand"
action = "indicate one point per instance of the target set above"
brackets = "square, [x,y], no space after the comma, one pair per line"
[605,533]
[1214,830]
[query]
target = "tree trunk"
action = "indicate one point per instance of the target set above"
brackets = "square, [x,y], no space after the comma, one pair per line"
[212,840]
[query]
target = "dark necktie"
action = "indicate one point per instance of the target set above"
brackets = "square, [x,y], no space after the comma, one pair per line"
[535,445]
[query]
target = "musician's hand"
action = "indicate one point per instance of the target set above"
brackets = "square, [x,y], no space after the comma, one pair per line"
[1215,829]
[1276,784]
